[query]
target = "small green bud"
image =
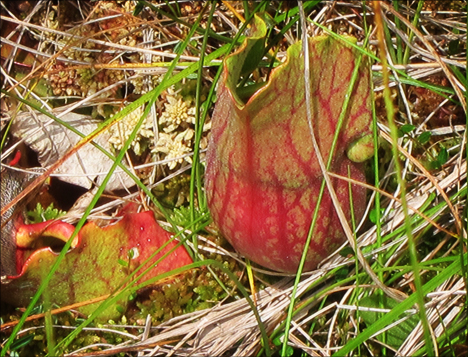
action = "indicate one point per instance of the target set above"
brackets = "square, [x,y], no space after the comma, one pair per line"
[362,149]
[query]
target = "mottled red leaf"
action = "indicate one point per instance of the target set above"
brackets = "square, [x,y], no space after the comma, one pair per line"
[92,268]
[262,177]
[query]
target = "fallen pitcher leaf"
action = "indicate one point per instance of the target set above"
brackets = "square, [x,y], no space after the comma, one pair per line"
[97,263]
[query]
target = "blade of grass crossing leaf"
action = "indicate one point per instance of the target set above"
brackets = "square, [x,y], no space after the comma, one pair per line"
[66,247]
[305,49]
[49,328]
[99,192]
[60,257]
[113,298]
[330,158]
[346,102]
[155,96]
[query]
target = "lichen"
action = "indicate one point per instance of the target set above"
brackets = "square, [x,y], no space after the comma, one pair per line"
[175,146]
[121,131]
[177,124]
[176,113]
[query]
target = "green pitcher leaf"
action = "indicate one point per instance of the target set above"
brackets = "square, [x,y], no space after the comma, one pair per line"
[398,333]
[263,178]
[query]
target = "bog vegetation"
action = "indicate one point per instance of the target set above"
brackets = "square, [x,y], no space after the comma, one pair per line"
[114,103]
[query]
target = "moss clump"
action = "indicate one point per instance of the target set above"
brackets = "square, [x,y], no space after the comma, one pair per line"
[196,290]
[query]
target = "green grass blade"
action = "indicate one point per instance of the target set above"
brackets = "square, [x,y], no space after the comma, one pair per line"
[454,269]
